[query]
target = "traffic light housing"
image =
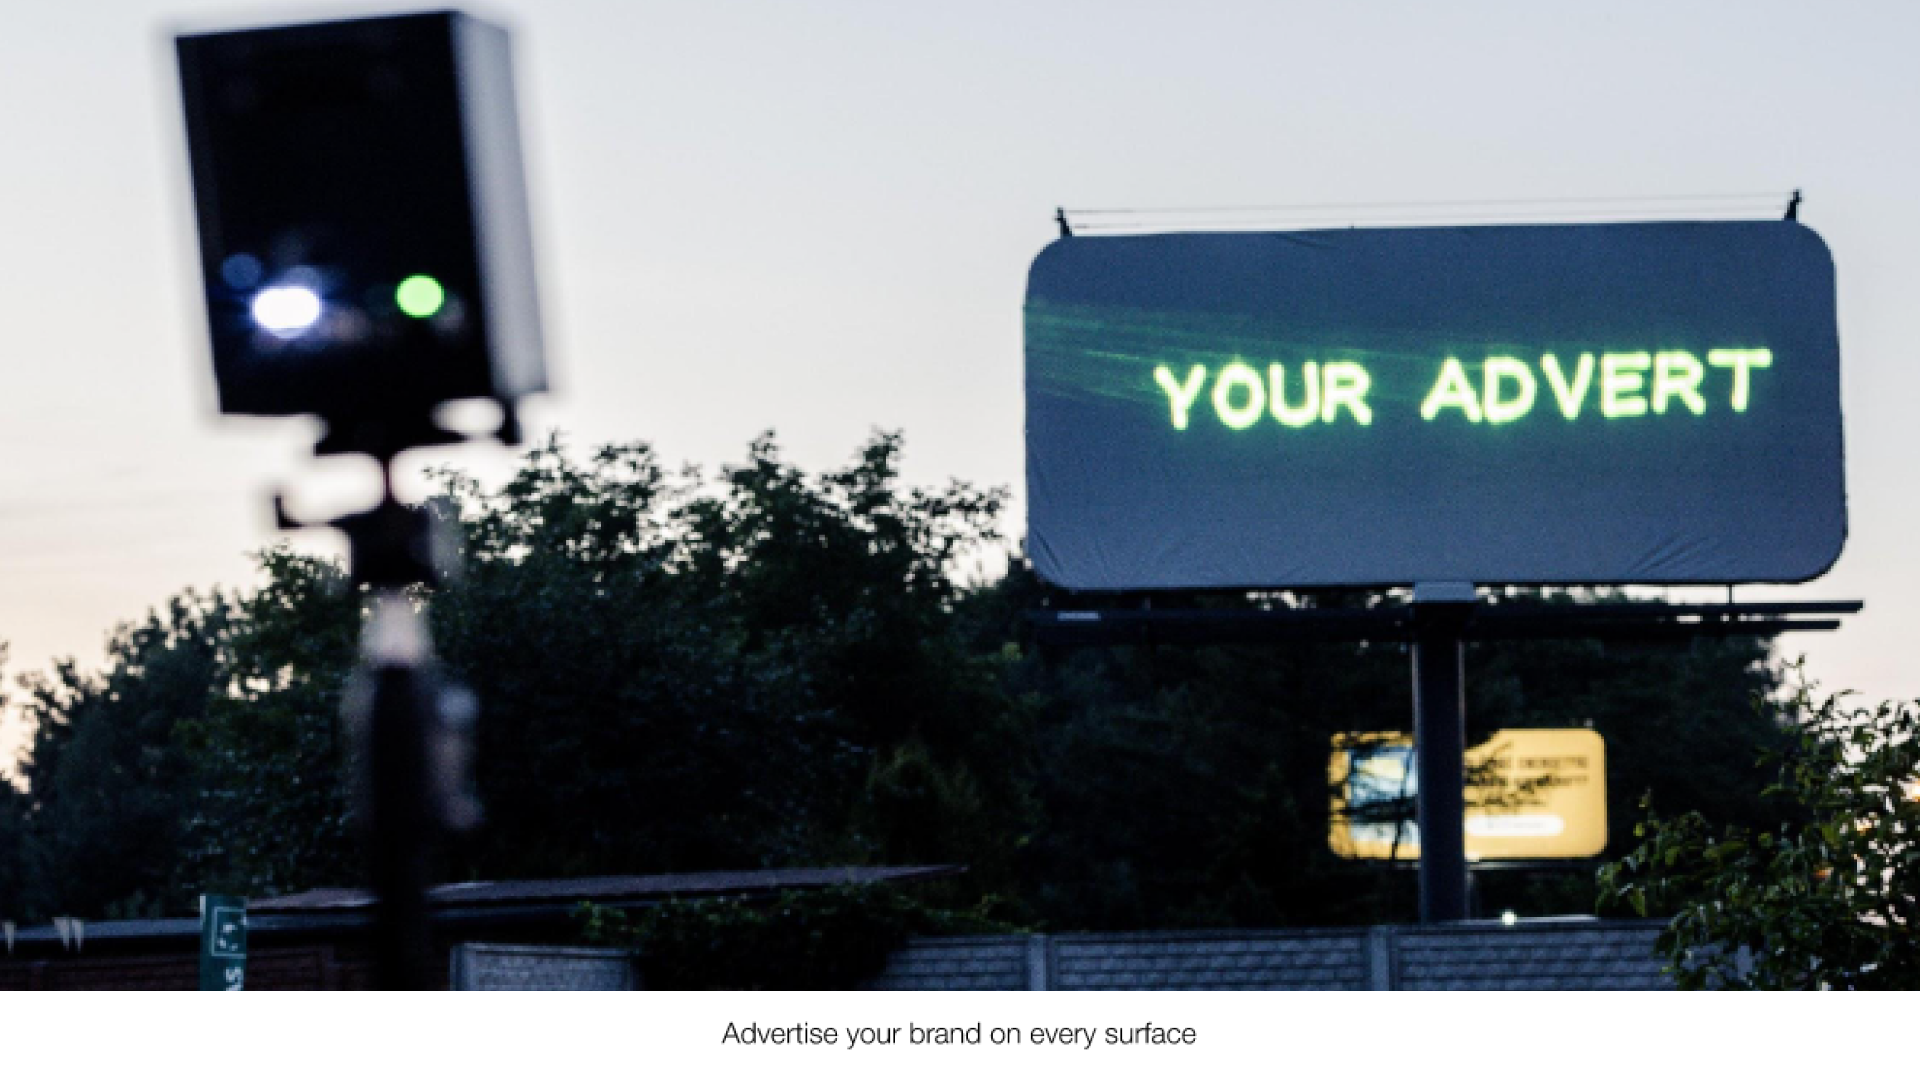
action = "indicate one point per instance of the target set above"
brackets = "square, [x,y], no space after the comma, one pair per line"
[364,236]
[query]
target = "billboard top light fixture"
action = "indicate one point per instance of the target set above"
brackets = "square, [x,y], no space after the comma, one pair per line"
[1553,404]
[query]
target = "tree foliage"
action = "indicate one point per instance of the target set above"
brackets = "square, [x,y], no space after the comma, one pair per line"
[1826,898]
[680,675]
[761,666]
[270,810]
[100,827]
[1197,789]
[826,939]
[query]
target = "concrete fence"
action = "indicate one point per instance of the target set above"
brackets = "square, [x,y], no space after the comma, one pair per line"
[474,966]
[1583,955]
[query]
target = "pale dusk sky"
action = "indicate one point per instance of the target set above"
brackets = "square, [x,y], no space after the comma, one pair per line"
[816,217]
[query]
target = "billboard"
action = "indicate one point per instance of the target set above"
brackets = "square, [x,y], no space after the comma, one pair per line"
[1655,403]
[1532,793]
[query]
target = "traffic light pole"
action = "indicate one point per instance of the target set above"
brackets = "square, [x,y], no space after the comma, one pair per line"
[1440,747]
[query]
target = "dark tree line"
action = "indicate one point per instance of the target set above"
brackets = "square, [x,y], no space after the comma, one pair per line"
[766,667]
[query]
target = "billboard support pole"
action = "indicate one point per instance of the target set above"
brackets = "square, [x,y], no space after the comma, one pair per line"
[1440,745]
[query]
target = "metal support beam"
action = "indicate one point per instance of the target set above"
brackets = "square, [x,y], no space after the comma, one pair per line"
[1505,620]
[1440,747]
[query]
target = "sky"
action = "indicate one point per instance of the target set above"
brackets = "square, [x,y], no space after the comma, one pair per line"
[816,218]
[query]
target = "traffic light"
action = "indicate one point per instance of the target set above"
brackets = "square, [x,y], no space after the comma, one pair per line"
[364,237]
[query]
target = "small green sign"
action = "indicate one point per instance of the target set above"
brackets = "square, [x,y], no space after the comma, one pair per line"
[223,942]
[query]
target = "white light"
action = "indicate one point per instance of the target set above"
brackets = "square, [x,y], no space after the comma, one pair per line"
[286,310]
[1508,918]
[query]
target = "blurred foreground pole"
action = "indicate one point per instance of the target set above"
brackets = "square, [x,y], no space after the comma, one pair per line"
[411,733]
[390,715]
[366,256]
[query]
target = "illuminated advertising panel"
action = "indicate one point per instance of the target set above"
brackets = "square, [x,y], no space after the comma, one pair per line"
[1532,793]
[1651,403]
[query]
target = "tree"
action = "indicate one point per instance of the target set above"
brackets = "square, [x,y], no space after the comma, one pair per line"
[271,810]
[17,879]
[675,674]
[108,783]
[1684,720]
[1187,784]
[686,670]
[1828,898]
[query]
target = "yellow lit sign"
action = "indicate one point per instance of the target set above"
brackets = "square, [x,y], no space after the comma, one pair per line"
[1532,793]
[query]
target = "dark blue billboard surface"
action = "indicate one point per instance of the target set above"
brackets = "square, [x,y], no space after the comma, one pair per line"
[1525,404]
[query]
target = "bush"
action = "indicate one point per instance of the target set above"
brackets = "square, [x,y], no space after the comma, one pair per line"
[1828,900]
[829,939]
